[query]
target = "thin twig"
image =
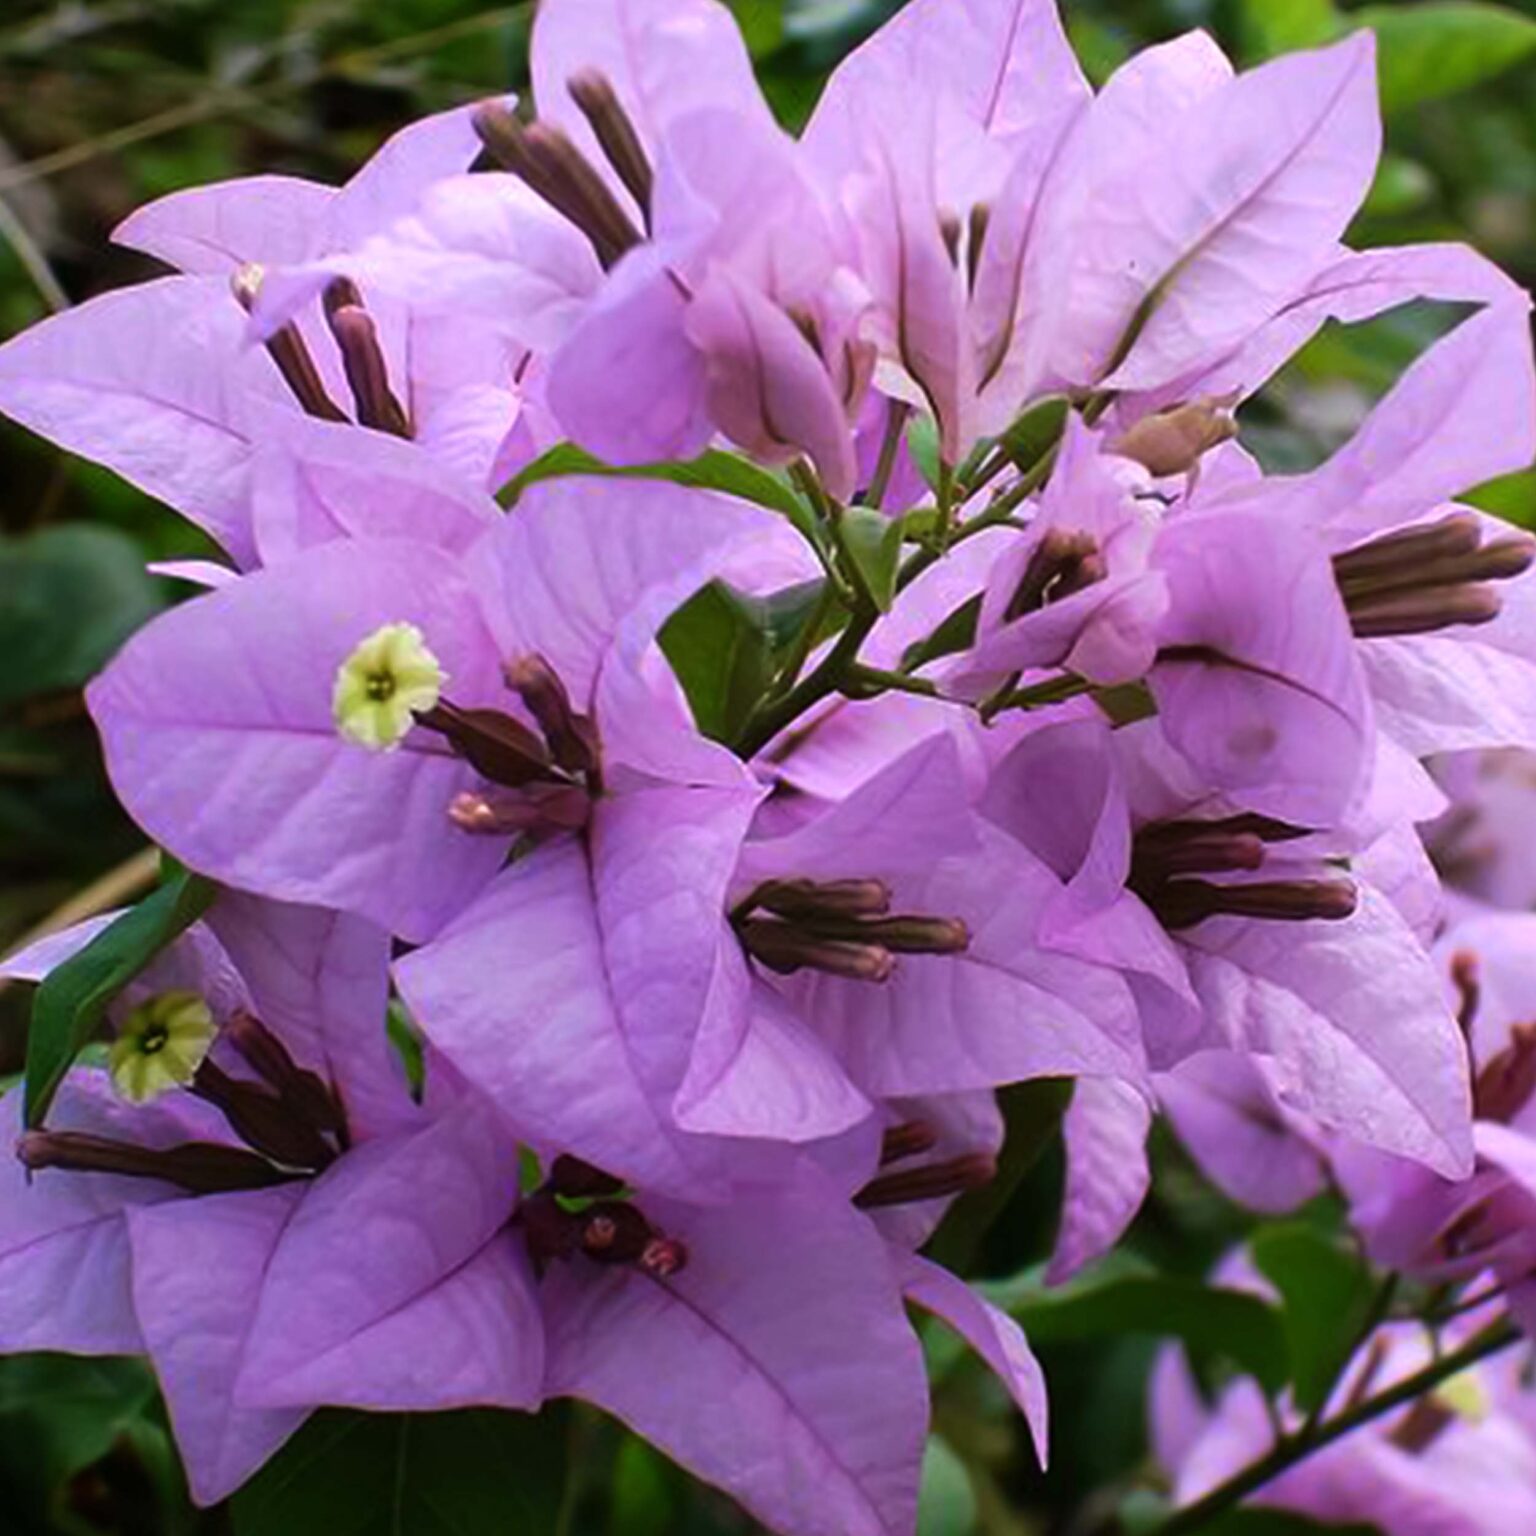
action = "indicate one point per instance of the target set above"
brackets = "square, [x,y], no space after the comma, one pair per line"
[1298,1447]
[30,254]
[234,98]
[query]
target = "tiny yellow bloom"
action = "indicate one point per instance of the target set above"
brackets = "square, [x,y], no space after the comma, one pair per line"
[161,1045]
[383,684]
[1464,1395]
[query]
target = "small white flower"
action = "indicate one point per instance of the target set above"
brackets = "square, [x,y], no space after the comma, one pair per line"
[383,685]
[161,1045]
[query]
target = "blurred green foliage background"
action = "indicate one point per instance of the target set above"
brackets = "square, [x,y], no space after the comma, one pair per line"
[105,104]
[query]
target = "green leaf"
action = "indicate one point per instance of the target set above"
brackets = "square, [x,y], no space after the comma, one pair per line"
[67,1413]
[644,1491]
[923,445]
[409,1045]
[947,1506]
[1036,432]
[474,1473]
[1270,27]
[712,471]
[1327,1298]
[70,1004]
[1210,1321]
[1032,1115]
[69,596]
[1512,497]
[1402,186]
[720,647]
[873,541]
[1434,50]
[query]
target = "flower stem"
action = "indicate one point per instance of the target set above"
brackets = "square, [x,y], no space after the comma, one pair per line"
[1297,1447]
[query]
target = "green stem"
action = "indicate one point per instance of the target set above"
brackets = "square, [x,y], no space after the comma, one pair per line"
[1376,1314]
[866,682]
[1054,690]
[1296,1448]
[768,721]
[805,641]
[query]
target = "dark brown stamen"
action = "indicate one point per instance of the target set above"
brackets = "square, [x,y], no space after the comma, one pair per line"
[1504,1085]
[543,157]
[900,935]
[285,346]
[262,1121]
[787,948]
[1419,580]
[1458,534]
[1054,569]
[502,749]
[932,1181]
[572,738]
[200,1168]
[307,1094]
[593,93]
[1220,852]
[1183,903]
[501,813]
[831,898]
[907,1140]
[1422,613]
[362,357]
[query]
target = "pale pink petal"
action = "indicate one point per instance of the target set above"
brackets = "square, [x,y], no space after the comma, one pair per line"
[197,1274]
[1346,1022]
[219,736]
[805,1397]
[991,1333]
[1107,1171]
[399,1232]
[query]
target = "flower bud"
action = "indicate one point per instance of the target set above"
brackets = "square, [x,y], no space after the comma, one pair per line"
[1172,442]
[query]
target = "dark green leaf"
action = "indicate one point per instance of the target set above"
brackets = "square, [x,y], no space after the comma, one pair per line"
[956,632]
[1036,432]
[1268,28]
[1327,1296]
[720,647]
[69,596]
[70,1004]
[712,471]
[923,445]
[948,1503]
[1032,1114]
[408,1045]
[1437,49]
[1210,1321]
[873,541]
[644,1491]
[473,1473]
[69,1411]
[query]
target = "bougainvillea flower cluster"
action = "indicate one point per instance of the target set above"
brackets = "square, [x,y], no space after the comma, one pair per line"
[749,646]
